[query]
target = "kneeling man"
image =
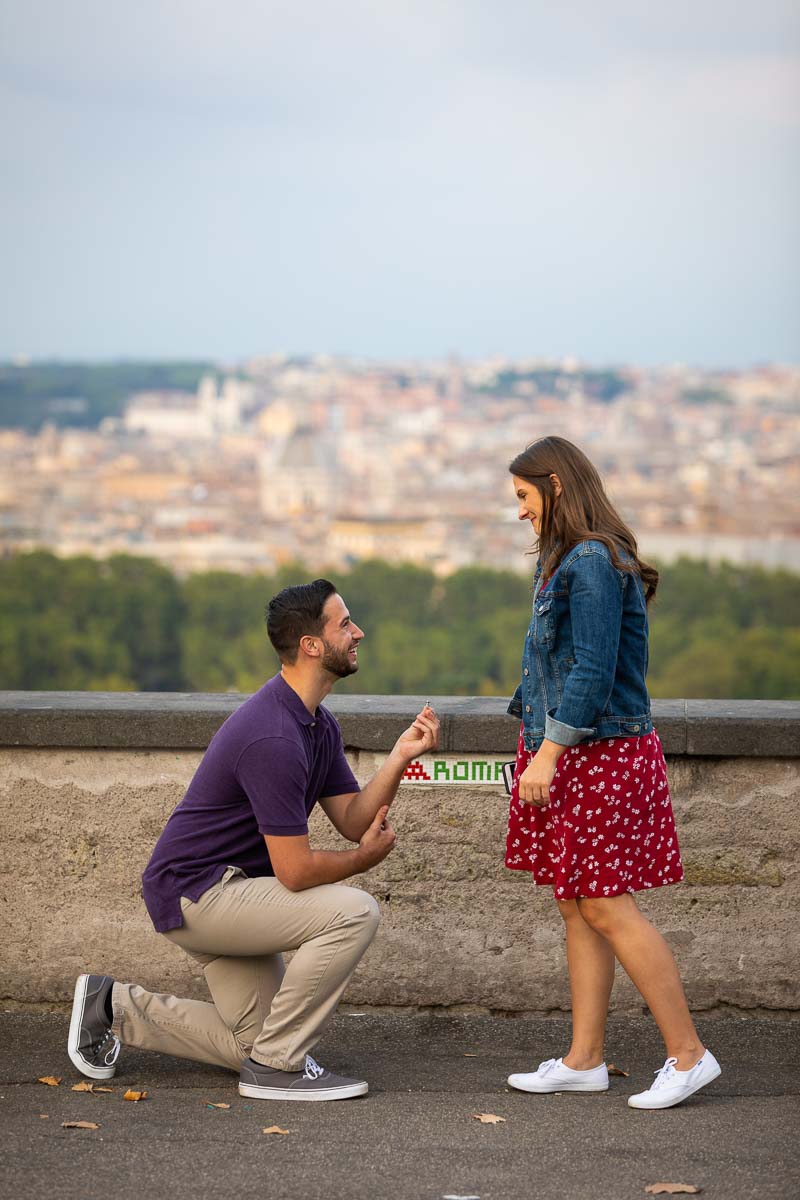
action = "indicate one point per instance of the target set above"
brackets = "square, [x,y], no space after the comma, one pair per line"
[234,881]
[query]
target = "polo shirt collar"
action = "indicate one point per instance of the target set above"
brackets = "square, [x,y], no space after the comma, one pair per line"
[290,698]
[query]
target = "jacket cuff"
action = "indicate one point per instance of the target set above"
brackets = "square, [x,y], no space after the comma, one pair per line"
[565,735]
[515,707]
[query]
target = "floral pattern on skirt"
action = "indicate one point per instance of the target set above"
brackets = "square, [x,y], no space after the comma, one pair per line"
[609,826]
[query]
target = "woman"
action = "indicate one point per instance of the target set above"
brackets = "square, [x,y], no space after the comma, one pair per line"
[590,807]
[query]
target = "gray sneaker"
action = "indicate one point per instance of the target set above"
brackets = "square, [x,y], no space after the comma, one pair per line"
[313,1083]
[93,1048]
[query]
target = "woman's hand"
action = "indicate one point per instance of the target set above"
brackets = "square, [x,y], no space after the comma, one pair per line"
[535,780]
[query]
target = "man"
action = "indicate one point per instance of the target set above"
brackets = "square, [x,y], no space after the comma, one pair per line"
[233,879]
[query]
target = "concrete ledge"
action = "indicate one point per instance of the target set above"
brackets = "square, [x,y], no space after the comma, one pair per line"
[743,728]
[476,725]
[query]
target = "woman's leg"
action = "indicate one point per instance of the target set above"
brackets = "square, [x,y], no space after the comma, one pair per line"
[590,961]
[648,961]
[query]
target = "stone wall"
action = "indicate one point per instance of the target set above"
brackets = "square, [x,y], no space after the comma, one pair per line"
[87,782]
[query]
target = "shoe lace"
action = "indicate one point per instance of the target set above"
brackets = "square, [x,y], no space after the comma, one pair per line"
[312,1069]
[109,1049]
[664,1074]
[550,1065]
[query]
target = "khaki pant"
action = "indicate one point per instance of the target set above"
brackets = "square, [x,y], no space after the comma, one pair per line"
[236,931]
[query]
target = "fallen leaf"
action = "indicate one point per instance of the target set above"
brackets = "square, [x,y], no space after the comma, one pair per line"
[612,1070]
[97,1089]
[50,1080]
[132,1095]
[79,1125]
[83,1086]
[274,1129]
[470,1056]
[210,1105]
[488,1118]
[672,1189]
[44,1116]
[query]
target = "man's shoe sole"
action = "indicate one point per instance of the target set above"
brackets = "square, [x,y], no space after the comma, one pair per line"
[267,1093]
[680,1099]
[561,1087]
[75,1035]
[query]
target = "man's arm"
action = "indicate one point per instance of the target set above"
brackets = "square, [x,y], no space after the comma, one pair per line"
[298,867]
[354,813]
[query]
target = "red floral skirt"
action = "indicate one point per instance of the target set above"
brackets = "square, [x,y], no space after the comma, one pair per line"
[608,828]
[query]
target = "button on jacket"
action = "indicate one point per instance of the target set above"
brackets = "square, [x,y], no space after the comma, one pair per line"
[585,656]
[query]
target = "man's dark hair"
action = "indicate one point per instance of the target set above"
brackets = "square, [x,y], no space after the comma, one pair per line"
[297,612]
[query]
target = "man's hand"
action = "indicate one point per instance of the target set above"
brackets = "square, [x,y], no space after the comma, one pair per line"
[420,737]
[355,814]
[379,840]
[535,780]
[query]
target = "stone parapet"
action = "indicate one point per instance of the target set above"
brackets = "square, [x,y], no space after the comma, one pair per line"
[470,724]
[88,780]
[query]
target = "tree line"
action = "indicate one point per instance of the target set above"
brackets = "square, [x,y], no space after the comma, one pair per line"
[83,394]
[126,623]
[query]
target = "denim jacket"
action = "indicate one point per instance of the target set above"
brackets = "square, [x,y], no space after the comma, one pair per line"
[585,656]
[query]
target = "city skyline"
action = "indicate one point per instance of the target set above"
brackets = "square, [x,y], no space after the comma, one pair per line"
[331,461]
[613,183]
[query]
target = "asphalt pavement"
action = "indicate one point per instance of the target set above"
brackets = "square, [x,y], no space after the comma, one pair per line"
[415,1136]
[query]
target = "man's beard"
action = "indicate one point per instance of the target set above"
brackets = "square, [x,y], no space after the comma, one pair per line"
[338,662]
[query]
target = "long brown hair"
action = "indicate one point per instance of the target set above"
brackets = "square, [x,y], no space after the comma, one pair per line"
[582,511]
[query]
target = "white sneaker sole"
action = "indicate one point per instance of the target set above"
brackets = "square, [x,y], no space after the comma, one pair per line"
[73,1039]
[642,1100]
[535,1089]
[267,1093]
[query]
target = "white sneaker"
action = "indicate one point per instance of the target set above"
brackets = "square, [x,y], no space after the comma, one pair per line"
[553,1076]
[671,1086]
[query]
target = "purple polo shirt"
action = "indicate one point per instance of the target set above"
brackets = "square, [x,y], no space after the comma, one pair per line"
[263,772]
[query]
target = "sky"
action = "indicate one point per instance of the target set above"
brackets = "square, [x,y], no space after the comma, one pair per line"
[606,179]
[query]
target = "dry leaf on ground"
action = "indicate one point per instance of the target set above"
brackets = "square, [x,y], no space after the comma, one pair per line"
[50,1080]
[132,1095]
[86,1086]
[274,1129]
[488,1118]
[672,1189]
[210,1105]
[470,1056]
[44,1116]
[612,1070]
[79,1125]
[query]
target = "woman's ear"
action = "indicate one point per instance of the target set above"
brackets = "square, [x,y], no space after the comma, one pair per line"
[556,482]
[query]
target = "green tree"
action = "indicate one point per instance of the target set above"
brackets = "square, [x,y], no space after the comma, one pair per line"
[148,613]
[716,631]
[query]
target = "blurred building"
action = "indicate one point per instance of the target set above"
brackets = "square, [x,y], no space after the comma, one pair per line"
[299,476]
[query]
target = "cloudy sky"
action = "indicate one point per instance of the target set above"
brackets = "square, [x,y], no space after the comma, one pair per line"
[401,178]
